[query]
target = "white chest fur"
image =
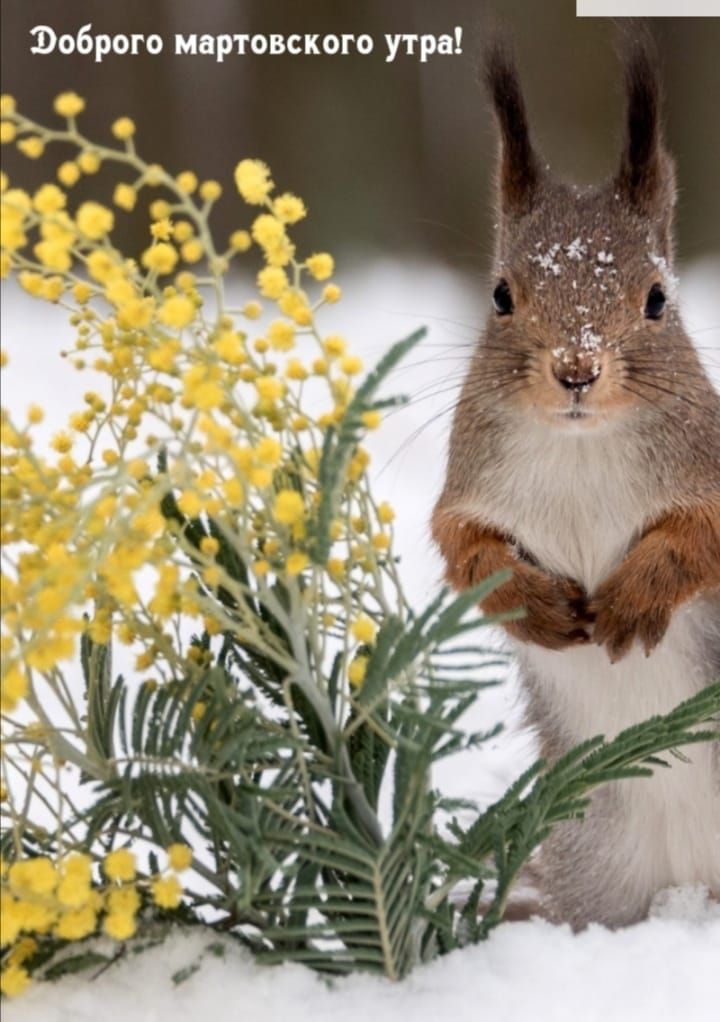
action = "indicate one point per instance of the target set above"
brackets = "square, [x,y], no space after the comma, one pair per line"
[668,828]
[576,503]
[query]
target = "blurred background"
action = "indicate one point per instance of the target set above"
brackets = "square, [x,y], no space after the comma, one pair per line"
[392,156]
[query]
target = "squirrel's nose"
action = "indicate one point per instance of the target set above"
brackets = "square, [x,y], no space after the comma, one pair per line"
[576,376]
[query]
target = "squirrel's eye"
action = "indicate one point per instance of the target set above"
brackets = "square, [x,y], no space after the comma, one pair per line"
[502,299]
[655,304]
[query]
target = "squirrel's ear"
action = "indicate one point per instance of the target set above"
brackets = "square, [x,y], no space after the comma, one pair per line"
[646,178]
[519,167]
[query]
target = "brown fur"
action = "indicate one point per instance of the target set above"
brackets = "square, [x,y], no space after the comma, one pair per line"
[555,607]
[678,557]
[580,264]
[519,167]
[647,366]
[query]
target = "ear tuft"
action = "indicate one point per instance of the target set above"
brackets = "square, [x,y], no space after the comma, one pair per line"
[646,176]
[519,168]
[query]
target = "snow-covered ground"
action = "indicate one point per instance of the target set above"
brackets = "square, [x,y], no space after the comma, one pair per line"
[666,968]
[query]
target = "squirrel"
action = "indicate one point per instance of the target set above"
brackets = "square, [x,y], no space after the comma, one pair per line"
[585,456]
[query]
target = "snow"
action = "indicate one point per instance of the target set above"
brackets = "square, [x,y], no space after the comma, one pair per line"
[547,261]
[665,968]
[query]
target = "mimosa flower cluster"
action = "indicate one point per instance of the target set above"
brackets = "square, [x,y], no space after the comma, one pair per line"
[64,899]
[198,444]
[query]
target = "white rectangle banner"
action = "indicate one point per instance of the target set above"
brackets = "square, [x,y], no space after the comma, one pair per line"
[648,8]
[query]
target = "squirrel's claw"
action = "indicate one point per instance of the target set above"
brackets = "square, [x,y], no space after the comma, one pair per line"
[619,621]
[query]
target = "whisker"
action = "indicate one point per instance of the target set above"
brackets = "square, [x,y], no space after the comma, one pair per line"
[666,390]
[477,386]
[637,393]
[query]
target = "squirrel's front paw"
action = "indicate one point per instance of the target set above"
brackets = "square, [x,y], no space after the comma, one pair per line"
[556,614]
[626,610]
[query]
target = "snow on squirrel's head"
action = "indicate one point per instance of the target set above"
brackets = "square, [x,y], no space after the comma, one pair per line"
[583,286]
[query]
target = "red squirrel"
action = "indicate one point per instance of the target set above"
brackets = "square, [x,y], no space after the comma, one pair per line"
[585,456]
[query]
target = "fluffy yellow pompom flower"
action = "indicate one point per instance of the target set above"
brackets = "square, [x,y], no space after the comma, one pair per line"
[252,310]
[179,857]
[74,887]
[296,563]
[295,305]
[281,335]
[162,258]
[192,250]
[252,178]
[272,282]
[136,314]
[363,629]
[14,980]
[68,104]
[334,346]
[162,229]
[68,173]
[268,231]
[372,419]
[123,900]
[331,293]
[269,451]
[54,256]
[177,311]
[8,132]
[182,230]
[201,389]
[385,513]
[123,128]
[210,191]
[289,208]
[289,507]
[209,546]
[89,162]
[125,196]
[166,891]
[159,209]
[260,478]
[187,182]
[119,925]
[321,265]
[357,671]
[229,347]
[240,241]
[94,220]
[32,147]
[336,567]
[13,688]
[358,463]
[62,443]
[189,503]
[119,865]
[76,924]
[351,365]
[295,370]
[49,199]
[269,388]
[33,876]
